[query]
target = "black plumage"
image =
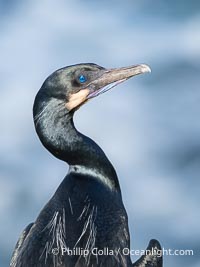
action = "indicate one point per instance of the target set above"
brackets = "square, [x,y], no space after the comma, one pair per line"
[86,214]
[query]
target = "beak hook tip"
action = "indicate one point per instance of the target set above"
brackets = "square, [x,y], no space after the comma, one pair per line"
[145,68]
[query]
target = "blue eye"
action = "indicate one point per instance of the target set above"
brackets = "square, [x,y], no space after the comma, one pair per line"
[82,79]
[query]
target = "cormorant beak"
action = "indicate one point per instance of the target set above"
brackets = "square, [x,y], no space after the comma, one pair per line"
[107,79]
[112,77]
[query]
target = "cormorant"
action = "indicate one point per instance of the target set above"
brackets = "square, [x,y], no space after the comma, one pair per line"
[85,222]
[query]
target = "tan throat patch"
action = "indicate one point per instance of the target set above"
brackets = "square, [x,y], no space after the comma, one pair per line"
[77,99]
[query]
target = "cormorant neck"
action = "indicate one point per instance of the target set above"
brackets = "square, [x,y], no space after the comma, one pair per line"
[55,128]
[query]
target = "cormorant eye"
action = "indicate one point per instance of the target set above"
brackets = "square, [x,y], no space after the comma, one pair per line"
[82,78]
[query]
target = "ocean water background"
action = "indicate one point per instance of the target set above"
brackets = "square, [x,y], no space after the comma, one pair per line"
[149,126]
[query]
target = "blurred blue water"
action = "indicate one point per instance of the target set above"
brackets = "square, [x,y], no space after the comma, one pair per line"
[151,123]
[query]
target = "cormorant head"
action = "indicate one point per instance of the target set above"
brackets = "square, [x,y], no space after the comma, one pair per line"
[62,93]
[77,84]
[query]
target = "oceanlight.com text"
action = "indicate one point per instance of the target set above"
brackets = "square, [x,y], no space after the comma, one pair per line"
[125,251]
